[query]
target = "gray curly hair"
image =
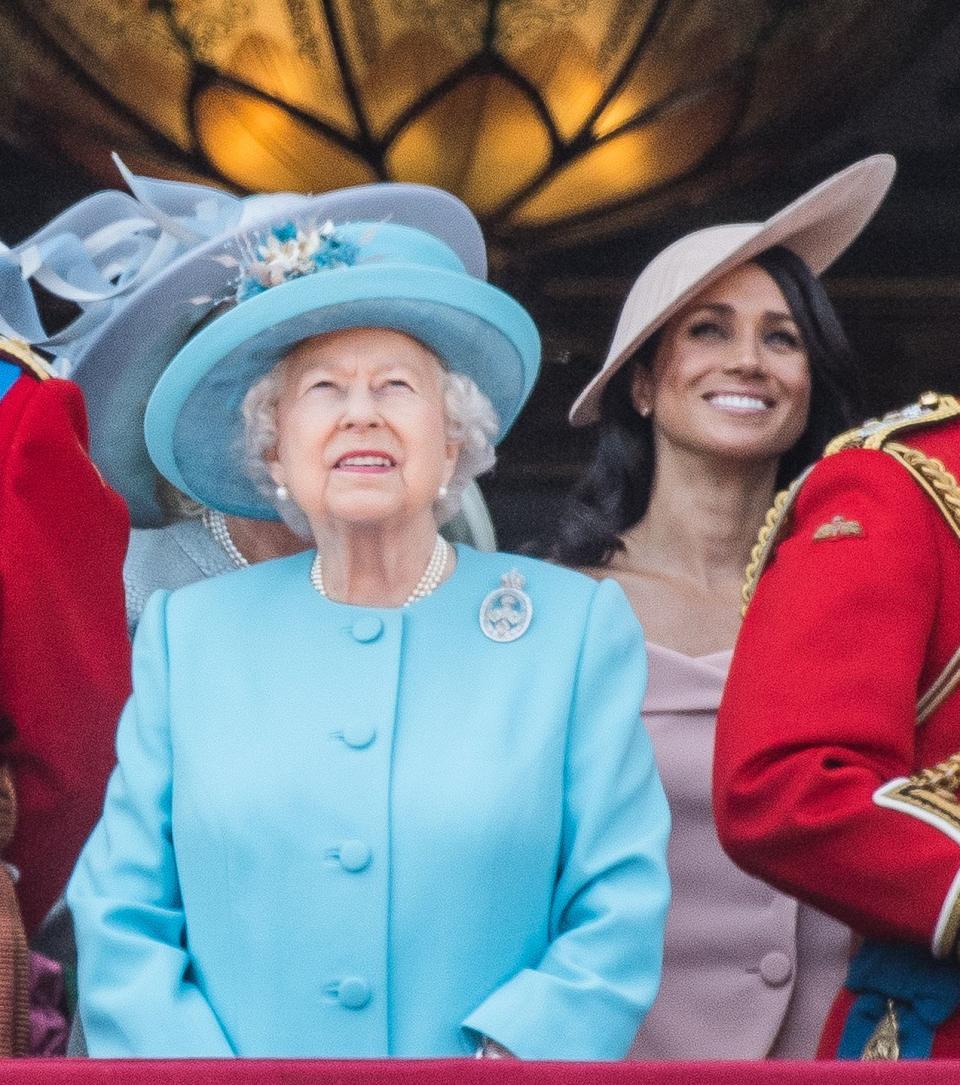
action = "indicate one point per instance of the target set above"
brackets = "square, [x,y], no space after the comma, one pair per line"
[471,422]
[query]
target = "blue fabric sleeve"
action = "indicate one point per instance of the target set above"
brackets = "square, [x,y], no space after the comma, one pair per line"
[138,996]
[601,972]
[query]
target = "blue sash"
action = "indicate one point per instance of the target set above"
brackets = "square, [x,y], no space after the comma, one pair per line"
[925,992]
[9,373]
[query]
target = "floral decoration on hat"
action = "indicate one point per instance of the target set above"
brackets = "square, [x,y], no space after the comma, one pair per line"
[289,252]
[137,267]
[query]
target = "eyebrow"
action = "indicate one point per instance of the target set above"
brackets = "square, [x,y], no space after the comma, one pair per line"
[728,310]
[338,364]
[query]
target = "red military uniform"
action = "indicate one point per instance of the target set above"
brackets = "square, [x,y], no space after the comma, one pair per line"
[843,689]
[64,651]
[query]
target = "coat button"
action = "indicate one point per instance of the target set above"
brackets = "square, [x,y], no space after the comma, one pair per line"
[775,969]
[353,992]
[358,735]
[366,629]
[354,856]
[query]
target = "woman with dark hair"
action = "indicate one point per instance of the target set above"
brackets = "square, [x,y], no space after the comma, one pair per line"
[614,494]
[729,371]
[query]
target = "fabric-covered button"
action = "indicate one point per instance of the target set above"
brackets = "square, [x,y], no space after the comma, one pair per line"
[353,992]
[354,856]
[366,629]
[358,735]
[775,968]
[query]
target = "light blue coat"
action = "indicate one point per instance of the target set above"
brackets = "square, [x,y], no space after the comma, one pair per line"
[338,831]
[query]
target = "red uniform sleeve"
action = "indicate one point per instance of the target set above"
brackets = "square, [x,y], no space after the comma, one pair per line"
[64,650]
[820,707]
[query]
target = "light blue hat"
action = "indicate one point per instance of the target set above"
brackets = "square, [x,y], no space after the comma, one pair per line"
[359,274]
[137,267]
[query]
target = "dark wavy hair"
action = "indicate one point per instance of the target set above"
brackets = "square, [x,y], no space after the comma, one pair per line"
[614,492]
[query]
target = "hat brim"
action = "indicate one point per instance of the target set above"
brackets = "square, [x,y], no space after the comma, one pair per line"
[193,425]
[121,364]
[818,226]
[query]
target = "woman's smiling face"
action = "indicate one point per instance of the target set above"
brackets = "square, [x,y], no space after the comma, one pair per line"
[361,430]
[730,374]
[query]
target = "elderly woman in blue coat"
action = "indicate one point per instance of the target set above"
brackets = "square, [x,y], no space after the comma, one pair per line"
[391,796]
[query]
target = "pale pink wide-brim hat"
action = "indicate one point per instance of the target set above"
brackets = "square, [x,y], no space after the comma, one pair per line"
[818,227]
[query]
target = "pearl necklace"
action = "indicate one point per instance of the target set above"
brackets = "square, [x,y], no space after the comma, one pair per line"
[426,585]
[215,522]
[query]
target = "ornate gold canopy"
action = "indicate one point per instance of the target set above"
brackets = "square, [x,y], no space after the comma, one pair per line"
[541,114]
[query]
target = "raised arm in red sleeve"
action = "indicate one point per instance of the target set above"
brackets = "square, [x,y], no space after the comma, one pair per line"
[64,652]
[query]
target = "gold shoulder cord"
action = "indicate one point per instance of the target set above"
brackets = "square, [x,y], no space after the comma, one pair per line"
[929,409]
[934,478]
[874,434]
[942,488]
[774,525]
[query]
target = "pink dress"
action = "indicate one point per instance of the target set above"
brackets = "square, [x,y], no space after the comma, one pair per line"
[748,972]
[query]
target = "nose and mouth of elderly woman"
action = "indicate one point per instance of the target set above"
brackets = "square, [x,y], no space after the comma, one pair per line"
[362,448]
[730,375]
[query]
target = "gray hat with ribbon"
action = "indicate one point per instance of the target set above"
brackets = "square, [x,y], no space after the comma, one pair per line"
[145,268]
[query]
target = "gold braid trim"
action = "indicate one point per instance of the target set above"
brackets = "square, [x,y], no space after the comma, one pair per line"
[755,566]
[774,524]
[930,473]
[931,796]
[943,779]
[940,689]
[942,488]
[930,408]
[935,479]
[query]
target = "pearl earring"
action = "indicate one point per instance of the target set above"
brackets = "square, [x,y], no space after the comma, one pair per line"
[442,492]
[646,410]
[282,492]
